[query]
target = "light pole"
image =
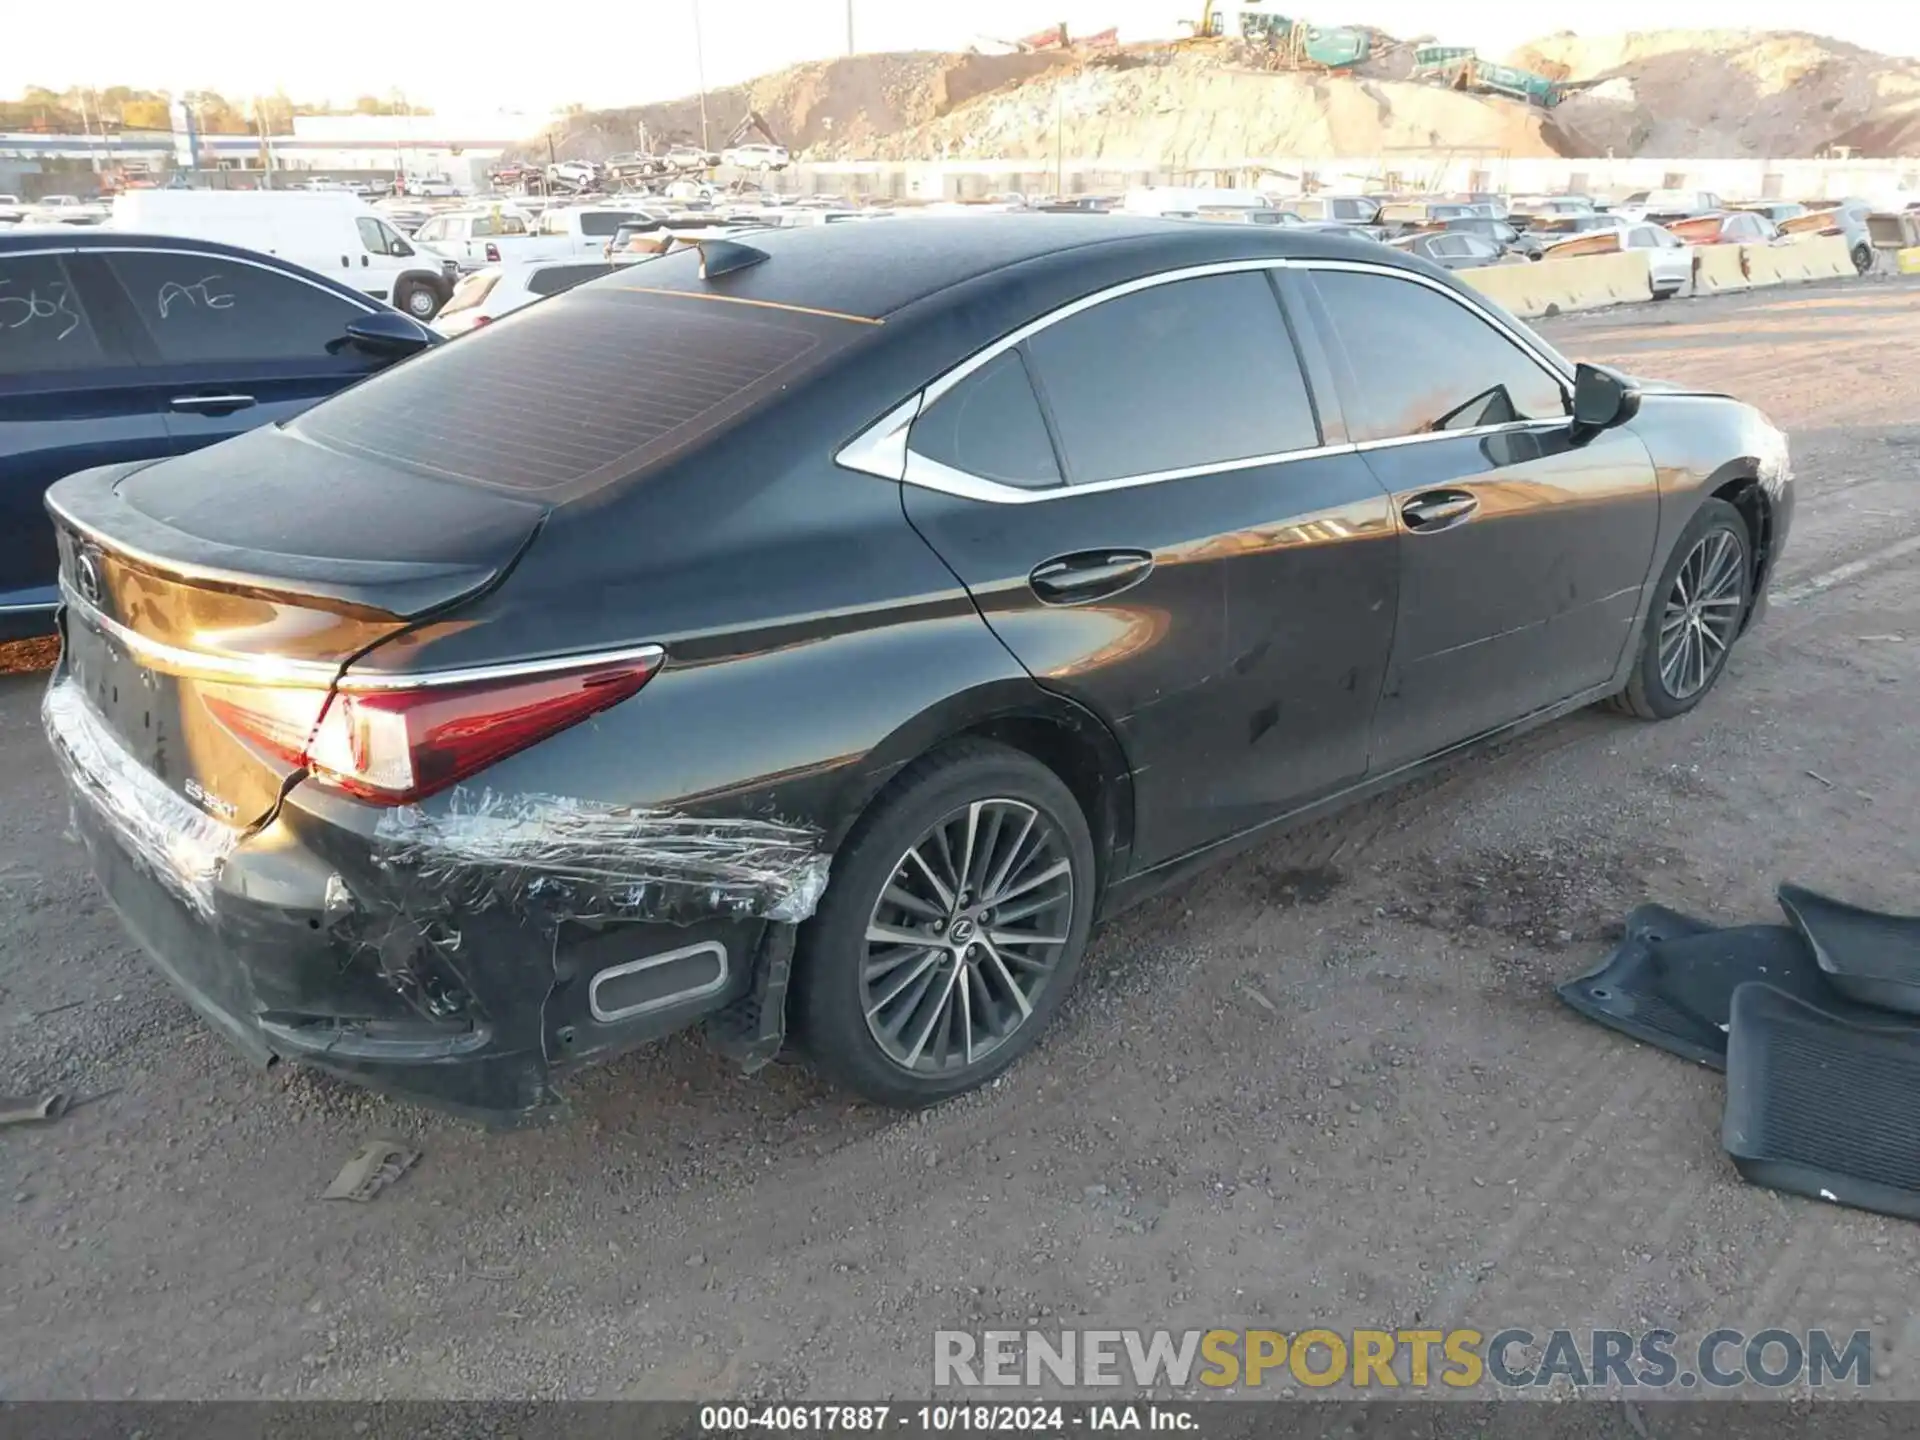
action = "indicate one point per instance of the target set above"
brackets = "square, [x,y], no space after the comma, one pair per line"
[700,71]
[850,27]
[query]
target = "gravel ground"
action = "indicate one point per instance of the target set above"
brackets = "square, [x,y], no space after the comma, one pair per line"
[1328,1083]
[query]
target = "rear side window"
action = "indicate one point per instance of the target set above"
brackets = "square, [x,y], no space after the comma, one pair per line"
[552,279]
[204,308]
[990,425]
[1192,373]
[43,325]
[575,393]
[602,222]
[1421,363]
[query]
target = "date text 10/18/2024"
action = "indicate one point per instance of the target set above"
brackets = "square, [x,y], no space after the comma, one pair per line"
[977,1419]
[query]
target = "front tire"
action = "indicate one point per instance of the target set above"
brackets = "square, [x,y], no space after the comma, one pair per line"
[1863,258]
[951,930]
[1698,608]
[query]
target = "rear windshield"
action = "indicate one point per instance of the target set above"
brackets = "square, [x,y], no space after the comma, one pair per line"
[575,393]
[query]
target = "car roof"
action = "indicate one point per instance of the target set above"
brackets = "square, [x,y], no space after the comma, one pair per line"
[872,271]
[101,237]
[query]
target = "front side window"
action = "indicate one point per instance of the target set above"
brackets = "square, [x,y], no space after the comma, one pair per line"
[43,325]
[602,222]
[1191,373]
[202,308]
[1420,363]
[435,229]
[990,425]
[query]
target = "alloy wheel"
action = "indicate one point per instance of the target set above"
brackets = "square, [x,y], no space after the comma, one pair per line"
[966,935]
[1701,614]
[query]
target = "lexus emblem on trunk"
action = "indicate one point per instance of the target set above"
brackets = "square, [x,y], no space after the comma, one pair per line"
[86,576]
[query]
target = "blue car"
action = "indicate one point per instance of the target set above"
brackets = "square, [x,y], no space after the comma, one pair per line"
[117,347]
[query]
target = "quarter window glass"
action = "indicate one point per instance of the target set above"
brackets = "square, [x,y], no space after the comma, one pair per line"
[1195,372]
[990,425]
[200,308]
[1422,363]
[42,323]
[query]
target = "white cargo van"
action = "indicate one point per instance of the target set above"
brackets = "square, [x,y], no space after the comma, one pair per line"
[335,233]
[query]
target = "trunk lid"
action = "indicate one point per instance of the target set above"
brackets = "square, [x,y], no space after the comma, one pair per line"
[239,580]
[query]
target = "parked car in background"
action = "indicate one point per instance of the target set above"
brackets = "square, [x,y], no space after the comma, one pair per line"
[579,231]
[1401,216]
[330,232]
[427,187]
[1555,205]
[1664,205]
[574,174]
[461,770]
[122,348]
[1848,218]
[1669,258]
[1500,232]
[486,295]
[1336,209]
[756,157]
[683,156]
[1452,250]
[65,210]
[1539,232]
[478,236]
[1778,211]
[12,209]
[1738,227]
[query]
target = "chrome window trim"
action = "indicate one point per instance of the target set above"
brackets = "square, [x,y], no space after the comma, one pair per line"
[882,449]
[681,997]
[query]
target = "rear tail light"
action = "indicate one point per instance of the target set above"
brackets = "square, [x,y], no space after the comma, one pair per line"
[493,253]
[402,742]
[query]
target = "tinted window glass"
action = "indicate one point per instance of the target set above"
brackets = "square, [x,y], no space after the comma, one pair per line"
[1421,362]
[990,425]
[1196,372]
[602,222]
[578,391]
[208,307]
[42,324]
[552,279]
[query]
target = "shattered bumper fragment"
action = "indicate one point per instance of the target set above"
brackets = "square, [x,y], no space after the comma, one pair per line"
[447,952]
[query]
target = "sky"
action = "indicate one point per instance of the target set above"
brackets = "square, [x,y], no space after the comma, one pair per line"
[505,55]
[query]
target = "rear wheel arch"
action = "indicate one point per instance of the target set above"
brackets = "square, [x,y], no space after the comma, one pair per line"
[1070,741]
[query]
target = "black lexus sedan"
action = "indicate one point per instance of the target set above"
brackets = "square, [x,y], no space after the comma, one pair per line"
[820,634]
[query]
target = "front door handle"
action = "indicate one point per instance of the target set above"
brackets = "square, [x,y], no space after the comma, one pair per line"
[1089,575]
[1438,510]
[210,404]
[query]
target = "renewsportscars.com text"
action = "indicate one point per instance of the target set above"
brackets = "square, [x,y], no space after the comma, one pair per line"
[1513,1358]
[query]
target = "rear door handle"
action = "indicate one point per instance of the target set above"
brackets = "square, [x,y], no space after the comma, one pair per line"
[1089,575]
[1438,510]
[211,404]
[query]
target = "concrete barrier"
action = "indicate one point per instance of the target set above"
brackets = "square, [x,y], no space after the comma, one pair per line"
[1719,267]
[1816,257]
[1554,287]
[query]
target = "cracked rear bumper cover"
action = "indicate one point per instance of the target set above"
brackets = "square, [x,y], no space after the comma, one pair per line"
[445,958]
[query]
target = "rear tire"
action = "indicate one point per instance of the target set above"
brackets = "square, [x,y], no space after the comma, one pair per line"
[1698,608]
[939,1012]
[417,300]
[1863,258]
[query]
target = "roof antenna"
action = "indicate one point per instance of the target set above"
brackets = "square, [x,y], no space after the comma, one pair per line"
[723,257]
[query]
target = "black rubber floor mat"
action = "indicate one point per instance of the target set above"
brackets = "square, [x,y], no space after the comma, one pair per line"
[1670,982]
[1822,1105]
[1867,955]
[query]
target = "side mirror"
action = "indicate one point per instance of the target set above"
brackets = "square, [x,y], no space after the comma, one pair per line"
[1602,398]
[389,335]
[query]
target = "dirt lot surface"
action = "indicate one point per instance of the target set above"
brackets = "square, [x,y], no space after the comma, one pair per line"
[1327,1084]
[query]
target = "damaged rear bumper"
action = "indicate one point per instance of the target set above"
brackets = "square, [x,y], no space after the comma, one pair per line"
[465,958]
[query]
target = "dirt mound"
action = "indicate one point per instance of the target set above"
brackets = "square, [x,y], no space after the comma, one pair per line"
[1680,93]
[845,105]
[1725,94]
[1194,111]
